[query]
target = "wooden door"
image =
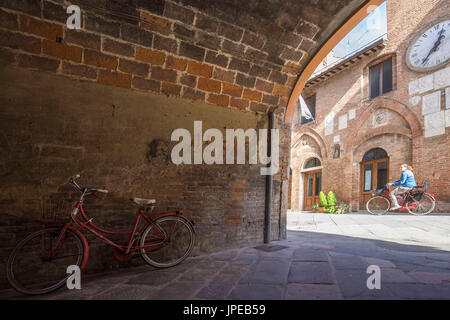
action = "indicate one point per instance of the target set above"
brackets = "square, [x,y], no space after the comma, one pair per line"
[374,175]
[313,186]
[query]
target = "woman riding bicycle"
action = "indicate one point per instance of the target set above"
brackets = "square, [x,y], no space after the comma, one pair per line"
[405,184]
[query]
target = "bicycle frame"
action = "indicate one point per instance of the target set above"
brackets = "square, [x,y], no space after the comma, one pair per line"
[404,204]
[129,248]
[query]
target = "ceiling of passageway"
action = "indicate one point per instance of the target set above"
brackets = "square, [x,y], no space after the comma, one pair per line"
[280,35]
[290,30]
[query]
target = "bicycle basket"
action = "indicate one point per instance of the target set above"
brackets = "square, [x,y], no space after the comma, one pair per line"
[56,210]
[378,192]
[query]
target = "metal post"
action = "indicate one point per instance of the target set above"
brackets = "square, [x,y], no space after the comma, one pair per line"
[269,182]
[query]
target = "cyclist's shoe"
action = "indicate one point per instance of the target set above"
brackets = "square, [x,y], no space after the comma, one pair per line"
[394,208]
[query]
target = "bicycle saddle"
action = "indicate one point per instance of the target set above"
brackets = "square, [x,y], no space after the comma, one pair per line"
[143,202]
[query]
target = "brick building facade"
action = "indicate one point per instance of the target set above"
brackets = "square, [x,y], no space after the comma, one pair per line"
[354,132]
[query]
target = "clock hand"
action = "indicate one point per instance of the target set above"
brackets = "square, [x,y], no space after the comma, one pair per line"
[436,45]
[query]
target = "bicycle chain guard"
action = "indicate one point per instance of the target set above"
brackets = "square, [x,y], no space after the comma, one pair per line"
[121,256]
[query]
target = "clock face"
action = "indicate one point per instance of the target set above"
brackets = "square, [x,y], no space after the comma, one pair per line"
[430,49]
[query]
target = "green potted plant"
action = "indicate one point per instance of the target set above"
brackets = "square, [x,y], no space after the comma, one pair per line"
[331,199]
[323,199]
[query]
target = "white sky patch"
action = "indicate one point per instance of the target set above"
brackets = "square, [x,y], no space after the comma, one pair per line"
[371,28]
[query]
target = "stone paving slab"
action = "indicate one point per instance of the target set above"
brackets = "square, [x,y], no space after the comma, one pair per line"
[296,291]
[267,272]
[431,277]
[125,292]
[214,291]
[179,290]
[353,285]
[311,273]
[420,291]
[149,278]
[347,261]
[257,292]
[310,254]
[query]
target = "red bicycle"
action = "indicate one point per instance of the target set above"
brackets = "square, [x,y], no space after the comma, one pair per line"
[38,264]
[415,201]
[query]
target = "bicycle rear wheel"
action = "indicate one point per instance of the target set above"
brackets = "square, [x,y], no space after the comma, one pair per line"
[172,238]
[378,205]
[425,206]
[33,269]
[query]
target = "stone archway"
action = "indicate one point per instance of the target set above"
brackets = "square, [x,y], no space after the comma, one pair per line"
[306,145]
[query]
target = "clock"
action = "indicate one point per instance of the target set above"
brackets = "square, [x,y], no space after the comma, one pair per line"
[430,48]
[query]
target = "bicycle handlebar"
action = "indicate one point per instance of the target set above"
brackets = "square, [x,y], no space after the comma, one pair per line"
[76,185]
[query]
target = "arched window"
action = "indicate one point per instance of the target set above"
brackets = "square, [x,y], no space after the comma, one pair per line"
[374,154]
[312,163]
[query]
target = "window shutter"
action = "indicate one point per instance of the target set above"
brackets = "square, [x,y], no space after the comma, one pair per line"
[387,76]
[374,81]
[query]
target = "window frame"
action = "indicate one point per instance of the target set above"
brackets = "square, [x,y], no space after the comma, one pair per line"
[393,79]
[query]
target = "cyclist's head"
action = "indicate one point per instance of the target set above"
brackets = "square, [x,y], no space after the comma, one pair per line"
[406,167]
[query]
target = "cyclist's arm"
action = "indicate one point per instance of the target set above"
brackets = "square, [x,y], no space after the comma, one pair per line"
[401,181]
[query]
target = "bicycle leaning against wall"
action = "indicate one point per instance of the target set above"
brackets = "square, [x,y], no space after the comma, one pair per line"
[38,264]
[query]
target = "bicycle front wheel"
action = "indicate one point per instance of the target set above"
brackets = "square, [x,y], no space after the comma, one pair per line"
[425,206]
[378,205]
[169,240]
[33,266]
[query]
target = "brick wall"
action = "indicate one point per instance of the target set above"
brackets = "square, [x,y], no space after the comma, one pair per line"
[401,130]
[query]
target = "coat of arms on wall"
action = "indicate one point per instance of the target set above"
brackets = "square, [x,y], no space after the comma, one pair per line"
[380,118]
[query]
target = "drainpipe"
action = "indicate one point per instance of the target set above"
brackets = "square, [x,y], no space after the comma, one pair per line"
[269,181]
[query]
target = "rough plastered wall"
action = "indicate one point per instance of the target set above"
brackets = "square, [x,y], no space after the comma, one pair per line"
[54,127]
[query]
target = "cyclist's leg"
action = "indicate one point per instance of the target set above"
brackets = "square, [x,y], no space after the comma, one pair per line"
[393,194]
[402,191]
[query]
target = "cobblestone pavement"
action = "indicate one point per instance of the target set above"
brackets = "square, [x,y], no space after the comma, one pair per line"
[325,257]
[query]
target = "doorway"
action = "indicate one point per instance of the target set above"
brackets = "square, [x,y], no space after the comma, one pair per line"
[313,183]
[374,173]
